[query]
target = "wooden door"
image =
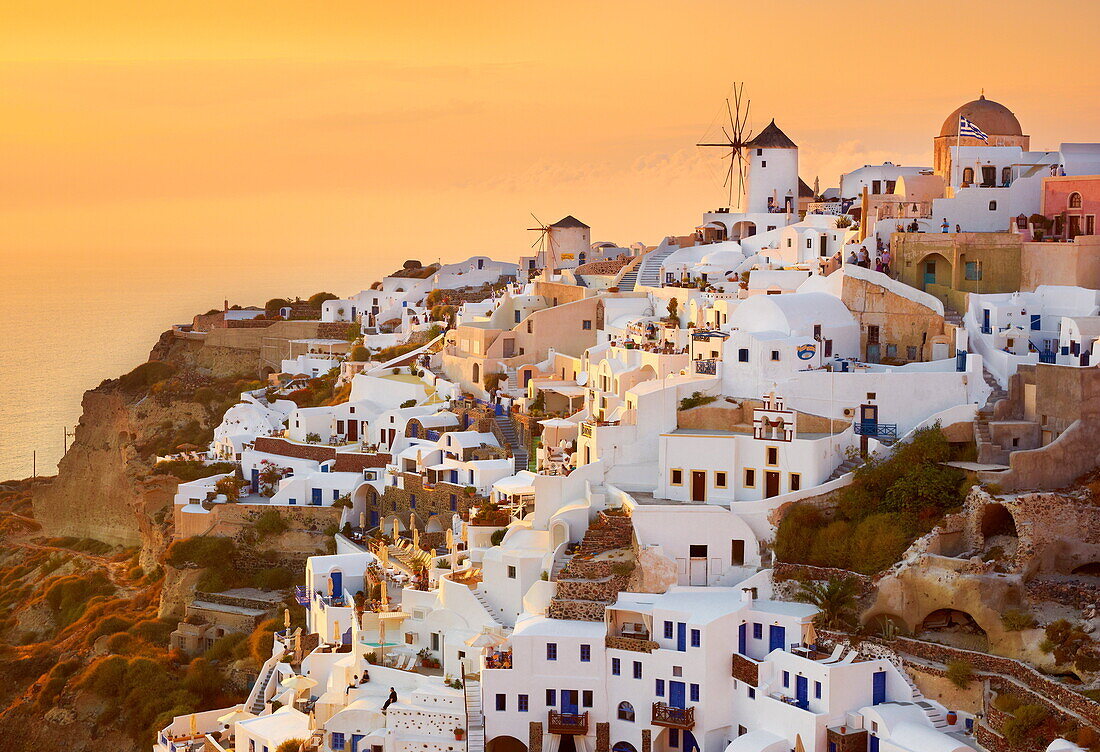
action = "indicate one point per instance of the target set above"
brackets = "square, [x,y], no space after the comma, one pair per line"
[771,484]
[698,485]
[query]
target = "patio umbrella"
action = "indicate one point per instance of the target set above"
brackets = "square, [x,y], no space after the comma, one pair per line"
[811,634]
[298,683]
[798,746]
[362,520]
[484,639]
[384,594]
[395,531]
[286,619]
[230,718]
[416,539]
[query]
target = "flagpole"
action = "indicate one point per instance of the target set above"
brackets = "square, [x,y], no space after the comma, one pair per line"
[958,150]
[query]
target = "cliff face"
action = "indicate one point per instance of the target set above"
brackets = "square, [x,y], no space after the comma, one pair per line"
[103,489]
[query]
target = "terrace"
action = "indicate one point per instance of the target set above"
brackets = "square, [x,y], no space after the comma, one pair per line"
[575,724]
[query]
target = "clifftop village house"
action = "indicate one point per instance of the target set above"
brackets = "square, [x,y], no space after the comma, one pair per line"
[558,498]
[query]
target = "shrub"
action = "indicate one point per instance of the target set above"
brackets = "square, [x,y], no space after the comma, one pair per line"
[145,375]
[622,568]
[290,745]
[697,399]
[274,578]
[201,551]
[226,647]
[1007,702]
[153,631]
[498,536]
[69,596]
[319,298]
[313,438]
[960,673]
[360,354]
[230,486]
[408,403]
[1015,620]
[109,626]
[270,522]
[1017,729]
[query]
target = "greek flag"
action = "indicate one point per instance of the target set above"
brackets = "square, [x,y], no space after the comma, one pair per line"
[966,128]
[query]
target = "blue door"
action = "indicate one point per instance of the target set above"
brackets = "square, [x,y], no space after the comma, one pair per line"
[802,691]
[569,701]
[872,743]
[986,329]
[355,739]
[777,638]
[1036,321]
[742,638]
[878,688]
[316,497]
[337,583]
[374,519]
[255,480]
[676,696]
[681,636]
[688,742]
[930,273]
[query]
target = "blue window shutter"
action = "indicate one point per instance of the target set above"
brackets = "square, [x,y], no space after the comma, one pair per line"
[659,688]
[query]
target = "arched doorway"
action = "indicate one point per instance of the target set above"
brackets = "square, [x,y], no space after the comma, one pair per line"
[743,230]
[953,627]
[997,521]
[933,270]
[476,374]
[505,744]
[623,747]
[559,533]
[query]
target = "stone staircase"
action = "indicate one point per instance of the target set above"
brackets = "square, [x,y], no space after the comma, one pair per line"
[628,280]
[585,586]
[475,719]
[519,450]
[953,317]
[934,714]
[847,466]
[258,705]
[989,453]
[650,267]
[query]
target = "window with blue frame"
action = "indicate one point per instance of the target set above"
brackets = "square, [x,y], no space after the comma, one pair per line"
[817,690]
[502,702]
[551,698]
[752,693]
[757,631]
[454,503]
[412,501]
[637,669]
[696,638]
[586,653]
[659,687]
[668,630]
[616,667]
[551,651]
[522,703]
[337,741]
[786,678]
[694,692]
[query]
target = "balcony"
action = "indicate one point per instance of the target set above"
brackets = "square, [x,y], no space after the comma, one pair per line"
[625,641]
[575,724]
[706,367]
[670,717]
[746,670]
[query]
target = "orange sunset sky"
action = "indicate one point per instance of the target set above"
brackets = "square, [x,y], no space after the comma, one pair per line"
[425,129]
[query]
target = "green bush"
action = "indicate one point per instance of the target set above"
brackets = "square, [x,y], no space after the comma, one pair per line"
[1015,620]
[1027,718]
[319,298]
[270,522]
[360,354]
[960,673]
[274,578]
[69,596]
[145,375]
[201,551]
[153,631]
[226,648]
[498,536]
[697,399]
[1007,702]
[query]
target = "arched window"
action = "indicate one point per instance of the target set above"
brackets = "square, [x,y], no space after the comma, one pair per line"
[968,175]
[626,711]
[1075,200]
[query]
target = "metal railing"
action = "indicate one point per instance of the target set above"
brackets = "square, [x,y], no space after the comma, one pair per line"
[706,367]
[567,723]
[666,715]
[876,430]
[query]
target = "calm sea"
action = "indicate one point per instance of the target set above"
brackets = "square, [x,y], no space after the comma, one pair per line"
[65,326]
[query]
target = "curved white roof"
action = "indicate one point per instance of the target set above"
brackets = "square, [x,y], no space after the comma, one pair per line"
[790,314]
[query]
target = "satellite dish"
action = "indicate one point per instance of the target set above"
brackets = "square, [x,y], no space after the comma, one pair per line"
[582,378]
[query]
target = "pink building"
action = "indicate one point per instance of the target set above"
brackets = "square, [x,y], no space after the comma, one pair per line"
[1073,204]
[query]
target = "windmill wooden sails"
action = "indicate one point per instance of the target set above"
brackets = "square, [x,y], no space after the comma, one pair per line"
[737,135]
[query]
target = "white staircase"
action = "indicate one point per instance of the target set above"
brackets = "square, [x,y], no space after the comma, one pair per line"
[649,274]
[475,720]
[489,608]
[628,280]
[934,714]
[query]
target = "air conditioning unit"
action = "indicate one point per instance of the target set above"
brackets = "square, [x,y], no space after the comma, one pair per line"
[849,412]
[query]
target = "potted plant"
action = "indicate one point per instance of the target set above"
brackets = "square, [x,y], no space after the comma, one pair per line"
[459,733]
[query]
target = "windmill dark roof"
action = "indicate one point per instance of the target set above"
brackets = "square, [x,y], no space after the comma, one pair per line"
[772,138]
[570,221]
[804,191]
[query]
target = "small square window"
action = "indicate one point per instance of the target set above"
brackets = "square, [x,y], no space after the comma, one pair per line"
[719,480]
[676,477]
[586,653]
[871,395]
[750,478]
[551,651]
[796,481]
[511,573]
[677,671]
[775,355]
[773,455]
[586,324]
[743,355]
[752,693]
